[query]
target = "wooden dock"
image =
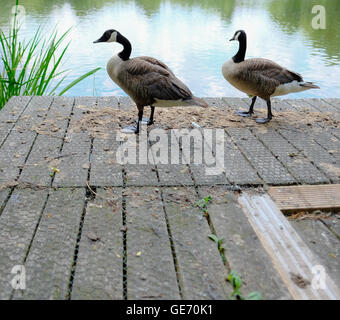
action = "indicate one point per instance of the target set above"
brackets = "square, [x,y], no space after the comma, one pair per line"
[85,226]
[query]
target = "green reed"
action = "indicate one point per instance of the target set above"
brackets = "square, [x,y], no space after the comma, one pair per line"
[31,68]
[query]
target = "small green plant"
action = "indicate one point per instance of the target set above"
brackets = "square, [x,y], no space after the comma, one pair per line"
[202,204]
[236,282]
[31,68]
[220,246]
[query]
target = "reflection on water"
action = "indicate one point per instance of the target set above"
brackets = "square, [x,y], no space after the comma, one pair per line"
[191,37]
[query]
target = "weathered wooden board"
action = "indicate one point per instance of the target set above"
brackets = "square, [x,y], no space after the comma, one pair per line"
[105,171]
[267,166]
[5,129]
[98,272]
[4,192]
[150,267]
[306,197]
[314,152]
[334,102]
[206,168]
[291,256]
[14,108]
[322,242]
[18,223]
[200,268]
[45,153]
[50,258]
[74,164]
[19,142]
[243,249]
[297,164]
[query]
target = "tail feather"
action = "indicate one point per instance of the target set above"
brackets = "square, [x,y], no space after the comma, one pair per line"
[309,85]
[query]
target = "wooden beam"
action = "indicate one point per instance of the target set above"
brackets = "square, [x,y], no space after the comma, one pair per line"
[306,197]
[295,262]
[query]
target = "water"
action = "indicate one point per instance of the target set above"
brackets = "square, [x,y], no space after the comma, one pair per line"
[191,37]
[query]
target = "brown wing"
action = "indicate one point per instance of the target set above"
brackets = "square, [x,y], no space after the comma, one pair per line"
[149,79]
[265,75]
[156,62]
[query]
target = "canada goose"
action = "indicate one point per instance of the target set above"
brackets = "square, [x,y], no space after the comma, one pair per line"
[148,81]
[260,77]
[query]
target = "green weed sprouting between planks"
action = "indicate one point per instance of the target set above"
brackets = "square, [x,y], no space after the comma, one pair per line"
[30,68]
[202,204]
[236,282]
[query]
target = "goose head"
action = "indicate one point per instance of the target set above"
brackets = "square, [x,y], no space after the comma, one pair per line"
[110,35]
[239,35]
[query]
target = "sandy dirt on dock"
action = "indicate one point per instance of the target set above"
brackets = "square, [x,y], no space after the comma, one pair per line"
[100,121]
[97,121]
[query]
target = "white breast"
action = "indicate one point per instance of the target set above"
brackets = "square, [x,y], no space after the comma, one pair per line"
[228,69]
[113,68]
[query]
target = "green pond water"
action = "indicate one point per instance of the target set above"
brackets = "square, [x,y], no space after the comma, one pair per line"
[191,37]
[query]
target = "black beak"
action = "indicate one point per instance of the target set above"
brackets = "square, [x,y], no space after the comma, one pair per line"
[99,40]
[232,39]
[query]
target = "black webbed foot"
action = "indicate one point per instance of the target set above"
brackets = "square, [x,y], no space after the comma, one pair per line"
[263,120]
[245,114]
[148,121]
[130,129]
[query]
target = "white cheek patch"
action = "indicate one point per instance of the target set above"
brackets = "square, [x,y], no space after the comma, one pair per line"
[237,35]
[113,37]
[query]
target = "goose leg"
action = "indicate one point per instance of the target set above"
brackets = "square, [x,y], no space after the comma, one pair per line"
[251,109]
[149,121]
[135,129]
[269,115]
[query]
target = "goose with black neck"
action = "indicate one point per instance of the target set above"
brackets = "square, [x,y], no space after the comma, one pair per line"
[148,81]
[260,78]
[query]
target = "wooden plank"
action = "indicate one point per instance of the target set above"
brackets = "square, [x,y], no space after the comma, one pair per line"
[243,249]
[334,102]
[305,143]
[322,242]
[13,154]
[105,171]
[15,150]
[14,107]
[98,273]
[74,165]
[324,106]
[150,267]
[45,153]
[5,129]
[306,197]
[200,268]
[50,258]
[237,168]
[4,192]
[176,172]
[290,255]
[199,152]
[297,164]
[267,166]
[18,223]
[143,172]
[327,134]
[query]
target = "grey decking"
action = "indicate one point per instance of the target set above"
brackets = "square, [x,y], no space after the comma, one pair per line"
[86,227]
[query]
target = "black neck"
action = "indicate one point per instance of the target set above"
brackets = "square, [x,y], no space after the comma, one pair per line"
[125,54]
[239,57]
